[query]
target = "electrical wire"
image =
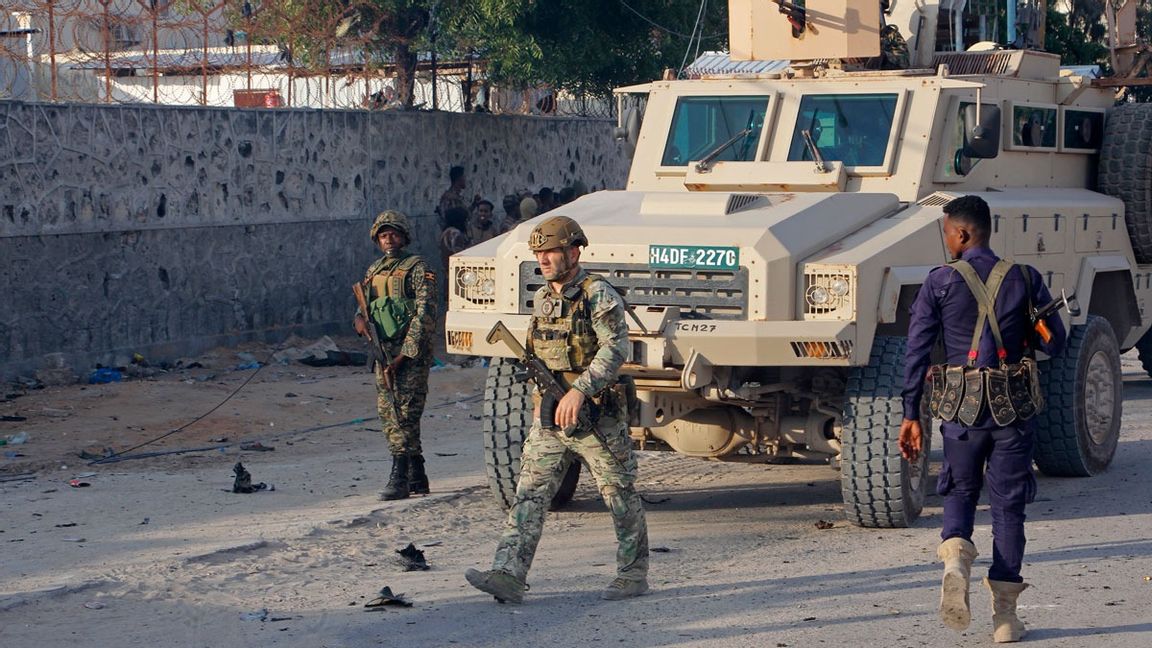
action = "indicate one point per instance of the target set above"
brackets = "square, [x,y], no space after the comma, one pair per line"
[696,27]
[664,29]
[187,425]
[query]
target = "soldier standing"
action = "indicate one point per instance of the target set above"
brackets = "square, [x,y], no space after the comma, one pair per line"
[401,292]
[578,330]
[985,396]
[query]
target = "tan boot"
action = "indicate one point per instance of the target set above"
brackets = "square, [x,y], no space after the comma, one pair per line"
[1006,626]
[957,554]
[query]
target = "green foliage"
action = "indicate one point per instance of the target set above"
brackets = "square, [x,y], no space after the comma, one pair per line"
[1076,36]
[591,46]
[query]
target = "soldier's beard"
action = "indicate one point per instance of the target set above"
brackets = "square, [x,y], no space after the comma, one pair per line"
[561,271]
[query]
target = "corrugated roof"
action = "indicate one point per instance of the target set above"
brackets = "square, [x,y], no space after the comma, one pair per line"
[718,63]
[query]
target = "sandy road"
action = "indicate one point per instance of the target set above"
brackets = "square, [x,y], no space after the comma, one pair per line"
[169,558]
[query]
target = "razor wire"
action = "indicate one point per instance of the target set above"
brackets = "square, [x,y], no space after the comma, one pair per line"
[241,53]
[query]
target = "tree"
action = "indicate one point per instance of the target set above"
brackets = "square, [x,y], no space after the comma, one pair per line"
[591,46]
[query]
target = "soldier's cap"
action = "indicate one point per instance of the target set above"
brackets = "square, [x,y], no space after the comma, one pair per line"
[394,219]
[556,232]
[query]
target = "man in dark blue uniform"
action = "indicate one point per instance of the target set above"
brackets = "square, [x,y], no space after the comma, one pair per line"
[969,395]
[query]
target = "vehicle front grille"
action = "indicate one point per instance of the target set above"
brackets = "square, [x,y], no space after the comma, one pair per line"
[700,294]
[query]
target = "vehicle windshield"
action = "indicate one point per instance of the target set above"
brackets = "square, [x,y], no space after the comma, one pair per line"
[701,124]
[853,129]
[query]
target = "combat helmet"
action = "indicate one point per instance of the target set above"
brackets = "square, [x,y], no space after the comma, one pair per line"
[558,231]
[394,219]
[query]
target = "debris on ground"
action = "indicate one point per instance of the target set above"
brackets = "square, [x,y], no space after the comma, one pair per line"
[256,446]
[258,615]
[412,559]
[387,598]
[824,525]
[105,375]
[95,454]
[243,482]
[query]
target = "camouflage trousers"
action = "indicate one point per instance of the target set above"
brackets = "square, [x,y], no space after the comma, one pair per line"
[541,470]
[400,414]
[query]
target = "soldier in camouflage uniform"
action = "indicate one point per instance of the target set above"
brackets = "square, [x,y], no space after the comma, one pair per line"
[401,293]
[578,331]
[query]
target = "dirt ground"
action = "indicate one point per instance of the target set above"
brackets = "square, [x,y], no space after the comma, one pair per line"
[156,550]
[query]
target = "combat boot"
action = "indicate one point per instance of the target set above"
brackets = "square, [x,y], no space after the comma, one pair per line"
[1006,626]
[957,554]
[622,588]
[417,478]
[505,587]
[397,487]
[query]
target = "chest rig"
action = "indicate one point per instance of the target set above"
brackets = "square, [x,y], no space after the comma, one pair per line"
[560,333]
[1010,390]
[390,307]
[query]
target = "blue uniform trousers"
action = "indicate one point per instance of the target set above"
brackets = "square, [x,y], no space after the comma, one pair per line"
[1001,458]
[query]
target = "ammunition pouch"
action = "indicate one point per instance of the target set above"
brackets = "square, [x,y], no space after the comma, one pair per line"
[391,316]
[959,393]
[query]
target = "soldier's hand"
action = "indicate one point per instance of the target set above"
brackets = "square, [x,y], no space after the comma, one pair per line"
[392,368]
[568,410]
[911,439]
[360,323]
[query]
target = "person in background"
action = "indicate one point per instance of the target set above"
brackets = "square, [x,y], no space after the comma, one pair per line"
[482,226]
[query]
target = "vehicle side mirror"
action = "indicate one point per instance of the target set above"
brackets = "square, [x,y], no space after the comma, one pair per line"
[982,141]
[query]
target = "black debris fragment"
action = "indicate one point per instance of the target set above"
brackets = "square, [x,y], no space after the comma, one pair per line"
[412,559]
[387,598]
[243,482]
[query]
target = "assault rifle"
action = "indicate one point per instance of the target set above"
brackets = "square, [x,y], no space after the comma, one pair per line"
[551,387]
[1039,315]
[378,353]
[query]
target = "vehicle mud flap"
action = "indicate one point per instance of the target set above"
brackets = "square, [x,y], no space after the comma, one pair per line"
[999,399]
[973,400]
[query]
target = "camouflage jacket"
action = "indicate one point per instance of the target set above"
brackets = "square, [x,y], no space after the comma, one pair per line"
[420,287]
[606,308]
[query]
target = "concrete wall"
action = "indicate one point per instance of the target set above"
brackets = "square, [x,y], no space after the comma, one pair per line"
[165,230]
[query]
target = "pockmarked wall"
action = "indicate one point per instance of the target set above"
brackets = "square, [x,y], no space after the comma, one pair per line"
[167,230]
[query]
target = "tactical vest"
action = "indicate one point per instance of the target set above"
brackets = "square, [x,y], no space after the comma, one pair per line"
[391,306]
[1011,390]
[560,332]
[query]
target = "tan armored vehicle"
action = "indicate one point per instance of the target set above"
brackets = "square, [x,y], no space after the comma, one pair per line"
[777,224]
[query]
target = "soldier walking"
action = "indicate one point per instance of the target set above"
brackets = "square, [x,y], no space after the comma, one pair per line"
[578,330]
[401,292]
[980,306]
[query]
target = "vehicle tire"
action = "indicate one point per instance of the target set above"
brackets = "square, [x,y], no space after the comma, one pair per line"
[1077,433]
[1126,171]
[1144,349]
[881,489]
[507,419]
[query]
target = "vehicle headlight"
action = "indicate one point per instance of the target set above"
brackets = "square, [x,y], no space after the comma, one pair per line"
[818,295]
[829,291]
[473,285]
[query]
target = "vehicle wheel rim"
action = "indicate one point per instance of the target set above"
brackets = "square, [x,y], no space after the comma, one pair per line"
[1099,397]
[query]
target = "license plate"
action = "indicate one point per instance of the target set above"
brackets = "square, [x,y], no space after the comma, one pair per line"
[694,257]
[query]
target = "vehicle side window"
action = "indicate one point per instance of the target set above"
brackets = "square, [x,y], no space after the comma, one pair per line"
[701,124]
[853,129]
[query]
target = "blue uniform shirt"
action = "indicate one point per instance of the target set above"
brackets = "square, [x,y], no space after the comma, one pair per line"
[945,309]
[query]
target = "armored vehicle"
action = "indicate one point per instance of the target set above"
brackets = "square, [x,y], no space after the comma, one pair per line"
[779,219]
